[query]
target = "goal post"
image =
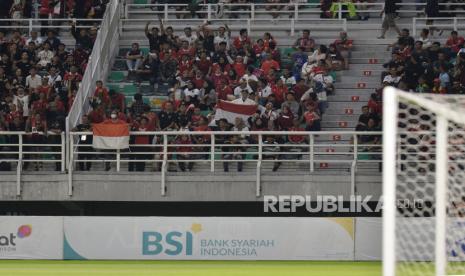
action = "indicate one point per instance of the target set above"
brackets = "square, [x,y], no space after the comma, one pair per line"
[423,184]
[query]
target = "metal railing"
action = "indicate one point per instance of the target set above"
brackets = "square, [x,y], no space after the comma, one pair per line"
[26,148]
[219,147]
[32,24]
[290,25]
[296,10]
[105,49]
[450,23]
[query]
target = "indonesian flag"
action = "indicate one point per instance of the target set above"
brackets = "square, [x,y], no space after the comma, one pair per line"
[229,111]
[110,136]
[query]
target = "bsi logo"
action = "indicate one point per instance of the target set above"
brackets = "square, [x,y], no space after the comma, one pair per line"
[172,244]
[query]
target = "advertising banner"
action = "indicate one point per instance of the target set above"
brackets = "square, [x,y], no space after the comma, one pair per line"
[31,237]
[208,238]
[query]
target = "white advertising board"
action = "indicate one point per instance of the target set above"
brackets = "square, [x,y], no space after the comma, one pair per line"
[209,238]
[31,237]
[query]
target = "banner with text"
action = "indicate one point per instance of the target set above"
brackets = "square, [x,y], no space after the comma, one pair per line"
[31,237]
[208,238]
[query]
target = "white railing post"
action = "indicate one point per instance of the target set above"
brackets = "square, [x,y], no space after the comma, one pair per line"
[209,11]
[212,152]
[311,153]
[118,158]
[19,167]
[344,24]
[296,11]
[63,151]
[252,11]
[30,26]
[355,137]
[455,24]
[70,165]
[292,27]
[166,12]
[163,165]
[339,11]
[126,11]
[258,185]
[414,27]
[249,28]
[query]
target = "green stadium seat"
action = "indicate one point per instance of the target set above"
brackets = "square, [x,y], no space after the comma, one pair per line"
[140,2]
[116,76]
[287,52]
[145,51]
[129,90]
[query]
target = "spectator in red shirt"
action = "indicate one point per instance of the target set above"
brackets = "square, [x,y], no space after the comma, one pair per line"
[140,143]
[312,119]
[241,40]
[184,152]
[344,46]
[280,91]
[455,42]
[101,94]
[269,63]
[305,41]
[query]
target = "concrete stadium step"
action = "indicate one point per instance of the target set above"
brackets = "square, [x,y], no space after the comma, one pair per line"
[345,110]
[344,125]
[340,118]
[358,73]
[348,98]
[357,85]
[371,54]
[359,79]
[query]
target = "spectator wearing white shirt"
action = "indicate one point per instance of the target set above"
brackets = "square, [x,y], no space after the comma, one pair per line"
[263,91]
[35,38]
[424,37]
[243,86]
[21,100]
[188,36]
[191,93]
[224,35]
[45,56]
[53,76]
[392,78]
[244,99]
[33,80]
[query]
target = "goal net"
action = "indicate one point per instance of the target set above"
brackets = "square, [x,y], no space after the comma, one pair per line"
[423,184]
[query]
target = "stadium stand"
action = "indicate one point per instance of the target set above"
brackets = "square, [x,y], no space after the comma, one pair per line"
[319,63]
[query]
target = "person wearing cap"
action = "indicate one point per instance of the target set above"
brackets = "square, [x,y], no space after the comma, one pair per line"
[244,99]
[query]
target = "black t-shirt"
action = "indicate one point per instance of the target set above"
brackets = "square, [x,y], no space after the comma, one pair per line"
[25,67]
[390,6]
[167,118]
[154,41]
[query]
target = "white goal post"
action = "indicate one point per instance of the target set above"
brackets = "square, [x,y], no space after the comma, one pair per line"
[423,184]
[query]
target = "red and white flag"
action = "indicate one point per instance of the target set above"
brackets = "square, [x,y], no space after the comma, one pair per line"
[110,136]
[229,111]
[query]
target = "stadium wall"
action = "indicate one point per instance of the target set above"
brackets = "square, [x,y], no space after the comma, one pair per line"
[190,238]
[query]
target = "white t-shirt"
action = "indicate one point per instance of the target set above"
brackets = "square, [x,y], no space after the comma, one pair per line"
[218,39]
[23,102]
[265,92]
[191,93]
[45,57]
[237,91]
[246,102]
[191,39]
[391,79]
[33,82]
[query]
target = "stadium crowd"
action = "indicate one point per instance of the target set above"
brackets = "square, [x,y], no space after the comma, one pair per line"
[40,75]
[205,66]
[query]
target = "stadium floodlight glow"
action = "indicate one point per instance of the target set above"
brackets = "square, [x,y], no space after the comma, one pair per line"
[423,159]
